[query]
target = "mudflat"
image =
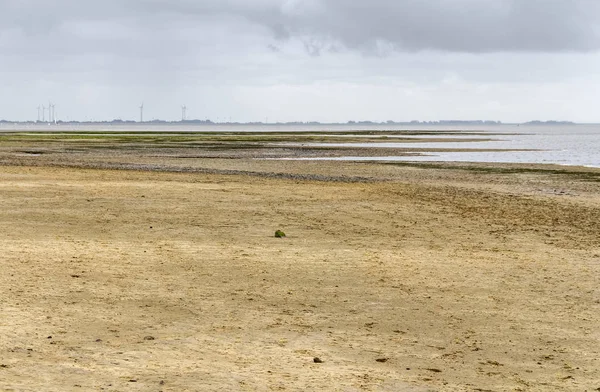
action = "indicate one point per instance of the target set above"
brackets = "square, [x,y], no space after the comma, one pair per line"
[396,277]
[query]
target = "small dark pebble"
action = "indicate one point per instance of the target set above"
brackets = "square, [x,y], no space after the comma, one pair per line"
[407,368]
[75,276]
[132,380]
[149,338]
[382,360]
[317,360]
[49,337]
[162,382]
[98,340]
[434,370]
[3,366]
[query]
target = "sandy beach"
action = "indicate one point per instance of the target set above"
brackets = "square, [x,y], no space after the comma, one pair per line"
[136,272]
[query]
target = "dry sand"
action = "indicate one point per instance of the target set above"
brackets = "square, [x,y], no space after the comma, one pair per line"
[449,280]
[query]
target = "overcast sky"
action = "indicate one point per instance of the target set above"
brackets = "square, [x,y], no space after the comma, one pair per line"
[301,60]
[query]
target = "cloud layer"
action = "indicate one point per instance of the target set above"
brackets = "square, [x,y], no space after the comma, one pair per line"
[471,26]
[112,53]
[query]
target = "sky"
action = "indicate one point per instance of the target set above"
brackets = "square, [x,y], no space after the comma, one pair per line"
[301,60]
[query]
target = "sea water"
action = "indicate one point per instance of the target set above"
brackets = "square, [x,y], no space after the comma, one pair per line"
[577,145]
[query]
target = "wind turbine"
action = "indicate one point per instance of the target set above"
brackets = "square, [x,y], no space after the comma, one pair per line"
[51,114]
[43,113]
[183,113]
[142,113]
[39,108]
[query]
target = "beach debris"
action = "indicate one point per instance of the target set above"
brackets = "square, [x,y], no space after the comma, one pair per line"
[279,234]
[149,338]
[317,360]
[382,360]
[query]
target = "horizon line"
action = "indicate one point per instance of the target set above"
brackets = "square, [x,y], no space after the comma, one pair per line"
[316,123]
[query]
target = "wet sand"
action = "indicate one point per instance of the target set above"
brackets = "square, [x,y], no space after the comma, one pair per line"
[399,278]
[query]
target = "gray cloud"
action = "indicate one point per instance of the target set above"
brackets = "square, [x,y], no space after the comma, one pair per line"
[449,25]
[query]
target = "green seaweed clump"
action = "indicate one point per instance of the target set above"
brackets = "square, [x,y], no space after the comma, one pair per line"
[279,234]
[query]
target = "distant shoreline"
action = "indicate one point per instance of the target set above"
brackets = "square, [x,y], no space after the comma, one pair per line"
[293,123]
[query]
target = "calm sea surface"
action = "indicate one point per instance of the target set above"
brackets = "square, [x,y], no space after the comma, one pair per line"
[564,145]
[570,145]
